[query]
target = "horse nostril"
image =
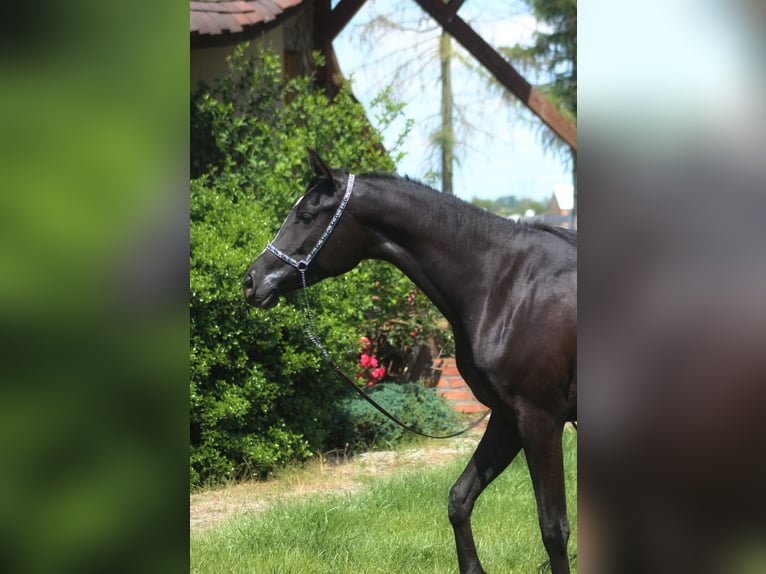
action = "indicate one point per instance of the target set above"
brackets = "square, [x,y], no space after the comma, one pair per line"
[247,285]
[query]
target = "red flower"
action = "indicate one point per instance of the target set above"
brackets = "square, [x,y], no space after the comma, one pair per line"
[366,344]
[413,333]
[379,373]
[365,361]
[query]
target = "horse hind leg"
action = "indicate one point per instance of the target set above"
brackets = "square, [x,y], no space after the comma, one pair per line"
[541,438]
[495,451]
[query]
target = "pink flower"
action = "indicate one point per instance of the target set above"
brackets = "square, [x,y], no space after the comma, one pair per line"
[370,383]
[365,361]
[373,362]
[366,344]
[379,373]
[413,334]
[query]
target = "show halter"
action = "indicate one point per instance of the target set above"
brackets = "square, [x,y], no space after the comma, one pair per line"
[303,264]
[311,330]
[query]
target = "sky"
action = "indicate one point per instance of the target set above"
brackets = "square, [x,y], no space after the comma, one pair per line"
[502,155]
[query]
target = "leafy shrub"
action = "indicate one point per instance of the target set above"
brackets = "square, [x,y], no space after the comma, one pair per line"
[358,424]
[260,394]
[404,332]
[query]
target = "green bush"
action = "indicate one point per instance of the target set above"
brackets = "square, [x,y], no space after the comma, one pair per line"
[362,427]
[260,394]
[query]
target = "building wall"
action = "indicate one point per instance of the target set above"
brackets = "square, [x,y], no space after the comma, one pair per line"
[292,39]
[208,64]
[452,387]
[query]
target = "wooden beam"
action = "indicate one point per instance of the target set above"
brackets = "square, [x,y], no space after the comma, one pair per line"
[454,5]
[327,76]
[501,69]
[341,16]
[322,42]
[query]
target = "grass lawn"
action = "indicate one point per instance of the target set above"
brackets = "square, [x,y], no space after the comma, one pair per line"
[397,524]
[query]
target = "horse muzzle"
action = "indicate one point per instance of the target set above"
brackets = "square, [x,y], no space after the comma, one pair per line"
[258,293]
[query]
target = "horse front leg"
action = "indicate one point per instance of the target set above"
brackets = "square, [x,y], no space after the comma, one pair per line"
[495,451]
[541,438]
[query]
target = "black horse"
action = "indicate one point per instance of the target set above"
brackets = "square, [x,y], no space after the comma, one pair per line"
[509,291]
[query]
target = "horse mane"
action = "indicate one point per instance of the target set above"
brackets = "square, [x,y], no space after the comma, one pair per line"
[568,235]
[455,212]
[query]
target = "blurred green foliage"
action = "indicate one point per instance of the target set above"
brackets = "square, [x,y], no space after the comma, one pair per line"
[260,394]
[93,171]
[91,135]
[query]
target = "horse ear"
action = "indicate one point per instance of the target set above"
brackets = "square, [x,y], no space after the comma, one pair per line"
[319,167]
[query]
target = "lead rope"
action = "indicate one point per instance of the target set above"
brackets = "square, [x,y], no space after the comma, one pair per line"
[313,335]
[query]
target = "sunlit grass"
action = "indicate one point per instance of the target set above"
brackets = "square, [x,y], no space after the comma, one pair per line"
[398,524]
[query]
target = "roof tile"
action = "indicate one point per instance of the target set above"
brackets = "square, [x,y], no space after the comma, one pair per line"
[215,18]
[210,23]
[262,12]
[287,3]
[231,23]
[254,17]
[242,19]
[196,23]
[269,6]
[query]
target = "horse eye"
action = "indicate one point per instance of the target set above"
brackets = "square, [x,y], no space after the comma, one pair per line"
[306,217]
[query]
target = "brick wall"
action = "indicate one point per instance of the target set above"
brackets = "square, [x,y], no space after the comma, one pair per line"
[453,388]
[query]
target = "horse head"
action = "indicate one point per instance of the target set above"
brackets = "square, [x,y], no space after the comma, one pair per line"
[313,243]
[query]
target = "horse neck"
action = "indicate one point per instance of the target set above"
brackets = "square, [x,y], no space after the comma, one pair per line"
[426,247]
